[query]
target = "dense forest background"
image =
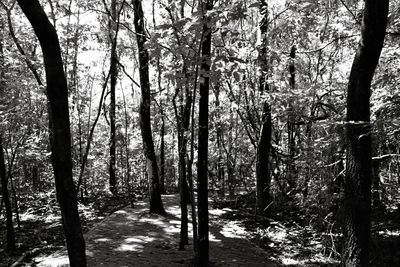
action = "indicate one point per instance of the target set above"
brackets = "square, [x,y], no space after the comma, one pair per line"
[275,80]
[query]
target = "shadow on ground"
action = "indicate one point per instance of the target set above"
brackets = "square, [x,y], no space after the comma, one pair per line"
[133,237]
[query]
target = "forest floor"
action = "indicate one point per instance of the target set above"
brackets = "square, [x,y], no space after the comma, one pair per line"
[117,235]
[133,237]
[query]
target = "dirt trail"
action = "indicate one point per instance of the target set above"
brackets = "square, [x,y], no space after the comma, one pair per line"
[133,237]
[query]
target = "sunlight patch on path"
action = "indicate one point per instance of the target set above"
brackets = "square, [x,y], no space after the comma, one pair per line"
[133,237]
[234,230]
[57,259]
[130,247]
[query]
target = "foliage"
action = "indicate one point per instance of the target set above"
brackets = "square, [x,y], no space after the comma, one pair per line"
[325,35]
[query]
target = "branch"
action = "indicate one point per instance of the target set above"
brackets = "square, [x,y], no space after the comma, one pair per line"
[351,12]
[326,45]
[127,74]
[386,156]
[30,65]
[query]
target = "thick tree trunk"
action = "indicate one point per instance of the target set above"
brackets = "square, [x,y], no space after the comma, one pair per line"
[202,162]
[264,143]
[156,205]
[357,187]
[57,94]
[113,83]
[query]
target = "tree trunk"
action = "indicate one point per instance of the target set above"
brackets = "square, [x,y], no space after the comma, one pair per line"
[57,94]
[113,83]
[181,116]
[202,162]
[291,127]
[162,157]
[156,205]
[162,132]
[357,187]
[264,143]
[183,191]
[6,199]
[219,140]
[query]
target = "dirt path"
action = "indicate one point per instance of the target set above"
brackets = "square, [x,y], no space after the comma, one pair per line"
[133,237]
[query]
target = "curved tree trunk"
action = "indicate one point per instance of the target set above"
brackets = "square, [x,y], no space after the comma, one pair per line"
[57,94]
[357,186]
[156,205]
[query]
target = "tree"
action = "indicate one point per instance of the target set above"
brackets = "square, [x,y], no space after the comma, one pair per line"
[202,158]
[357,185]
[3,176]
[6,198]
[264,142]
[57,94]
[156,205]
[113,82]
[184,97]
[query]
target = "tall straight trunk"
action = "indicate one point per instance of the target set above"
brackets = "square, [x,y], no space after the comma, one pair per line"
[57,94]
[162,132]
[202,158]
[6,199]
[113,83]
[357,185]
[219,140]
[156,205]
[291,127]
[264,143]
[183,121]
[183,190]
[182,117]
[190,160]
[162,156]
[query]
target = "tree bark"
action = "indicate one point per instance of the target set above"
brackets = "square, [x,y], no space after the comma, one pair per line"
[219,141]
[264,143]
[113,83]
[202,162]
[57,94]
[6,200]
[156,205]
[357,185]
[291,126]
[162,156]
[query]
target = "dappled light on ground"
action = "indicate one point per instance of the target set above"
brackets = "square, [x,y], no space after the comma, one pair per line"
[233,230]
[388,233]
[57,259]
[133,237]
[297,246]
